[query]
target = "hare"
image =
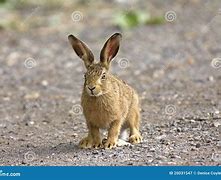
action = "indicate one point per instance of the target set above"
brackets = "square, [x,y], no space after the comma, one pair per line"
[107,101]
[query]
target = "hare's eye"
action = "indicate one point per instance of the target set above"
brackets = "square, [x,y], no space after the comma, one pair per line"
[84,76]
[103,76]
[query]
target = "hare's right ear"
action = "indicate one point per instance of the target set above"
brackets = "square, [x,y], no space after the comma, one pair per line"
[81,50]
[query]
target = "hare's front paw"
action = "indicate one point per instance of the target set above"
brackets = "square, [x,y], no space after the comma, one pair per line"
[86,143]
[135,138]
[97,144]
[109,143]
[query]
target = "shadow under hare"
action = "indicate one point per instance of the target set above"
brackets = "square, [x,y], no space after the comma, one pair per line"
[107,101]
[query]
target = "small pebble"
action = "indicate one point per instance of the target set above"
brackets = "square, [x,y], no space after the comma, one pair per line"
[32,95]
[211,78]
[44,83]
[197,145]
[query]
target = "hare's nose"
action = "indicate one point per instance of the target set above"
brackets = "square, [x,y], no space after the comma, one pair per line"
[91,88]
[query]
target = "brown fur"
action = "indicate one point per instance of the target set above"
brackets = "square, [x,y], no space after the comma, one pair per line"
[112,104]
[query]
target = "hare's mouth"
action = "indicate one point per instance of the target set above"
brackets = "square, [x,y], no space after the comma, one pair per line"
[94,93]
[99,94]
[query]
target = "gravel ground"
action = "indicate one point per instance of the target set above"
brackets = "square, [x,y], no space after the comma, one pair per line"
[175,67]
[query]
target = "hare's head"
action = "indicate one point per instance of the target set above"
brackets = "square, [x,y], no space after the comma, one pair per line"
[96,77]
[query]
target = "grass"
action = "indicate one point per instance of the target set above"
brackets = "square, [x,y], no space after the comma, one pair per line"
[19,4]
[15,17]
[130,19]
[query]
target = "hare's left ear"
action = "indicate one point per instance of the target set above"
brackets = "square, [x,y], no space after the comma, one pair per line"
[110,49]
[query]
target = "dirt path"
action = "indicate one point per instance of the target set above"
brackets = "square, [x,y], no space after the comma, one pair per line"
[170,65]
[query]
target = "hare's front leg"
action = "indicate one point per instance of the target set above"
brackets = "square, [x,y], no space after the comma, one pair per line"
[113,134]
[93,140]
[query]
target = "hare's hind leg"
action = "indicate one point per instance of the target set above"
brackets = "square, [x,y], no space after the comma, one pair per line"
[134,124]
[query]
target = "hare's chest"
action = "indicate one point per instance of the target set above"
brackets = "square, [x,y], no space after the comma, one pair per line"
[99,113]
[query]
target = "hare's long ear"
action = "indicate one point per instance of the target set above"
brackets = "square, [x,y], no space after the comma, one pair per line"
[81,50]
[110,49]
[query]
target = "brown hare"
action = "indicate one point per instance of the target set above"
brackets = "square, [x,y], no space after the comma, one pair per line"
[107,101]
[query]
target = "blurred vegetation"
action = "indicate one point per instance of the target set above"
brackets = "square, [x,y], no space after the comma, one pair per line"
[19,4]
[22,15]
[15,18]
[129,19]
[133,18]
[2,1]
